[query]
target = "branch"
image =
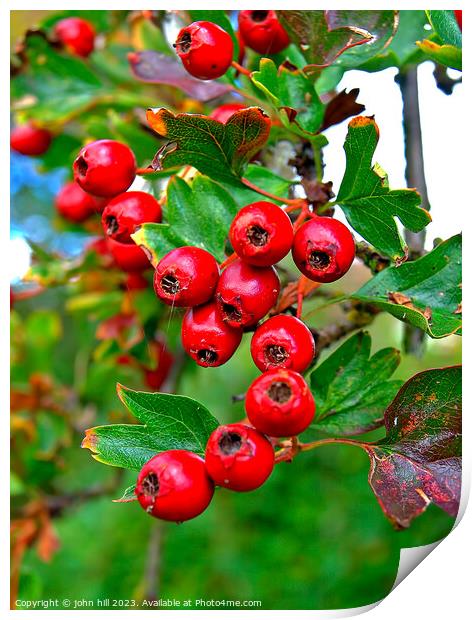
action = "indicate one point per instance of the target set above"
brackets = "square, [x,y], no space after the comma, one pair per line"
[153,564]
[371,258]
[408,81]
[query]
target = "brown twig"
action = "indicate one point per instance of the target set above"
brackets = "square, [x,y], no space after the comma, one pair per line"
[370,257]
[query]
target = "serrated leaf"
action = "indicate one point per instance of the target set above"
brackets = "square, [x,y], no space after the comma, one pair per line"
[368,202]
[447,55]
[352,389]
[426,292]
[292,94]
[221,151]
[168,422]
[199,214]
[325,36]
[158,68]
[419,462]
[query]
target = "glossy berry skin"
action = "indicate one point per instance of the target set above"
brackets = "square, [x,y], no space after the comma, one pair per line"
[261,234]
[174,486]
[245,293]
[323,249]
[75,205]
[206,338]
[262,31]
[186,276]
[78,35]
[205,49]
[30,140]
[238,457]
[279,403]
[105,168]
[283,341]
[224,112]
[128,257]
[125,212]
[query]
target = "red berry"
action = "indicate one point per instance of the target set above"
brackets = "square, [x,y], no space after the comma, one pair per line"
[186,276]
[261,234]
[458,15]
[238,457]
[245,293]
[283,342]
[174,486]
[242,48]
[124,213]
[262,31]
[78,35]
[76,205]
[323,249]
[205,49]
[206,338]
[128,256]
[105,168]
[223,112]
[30,140]
[135,281]
[279,403]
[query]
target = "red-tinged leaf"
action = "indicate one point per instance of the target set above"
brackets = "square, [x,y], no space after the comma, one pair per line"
[324,36]
[219,150]
[341,107]
[157,68]
[419,462]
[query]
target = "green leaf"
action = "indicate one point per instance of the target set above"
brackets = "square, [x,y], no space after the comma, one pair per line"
[323,36]
[263,178]
[50,85]
[419,462]
[446,27]
[199,214]
[168,422]
[366,198]
[221,151]
[293,95]
[447,55]
[352,389]
[426,292]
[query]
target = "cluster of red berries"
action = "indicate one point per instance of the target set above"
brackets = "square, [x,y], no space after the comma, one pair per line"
[206,50]
[178,485]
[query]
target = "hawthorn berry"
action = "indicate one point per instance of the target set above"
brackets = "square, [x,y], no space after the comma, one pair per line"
[105,168]
[76,205]
[458,16]
[323,249]
[206,338]
[78,35]
[163,360]
[135,281]
[262,31]
[283,341]
[205,49]
[30,140]
[245,294]
[238,457]
[186,276]
[127,211]
[174,486]
[223,112]
[261,234]
[279,403]
[128,256]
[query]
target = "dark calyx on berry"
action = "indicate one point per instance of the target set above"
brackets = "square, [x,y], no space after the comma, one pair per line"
[183,43]
[319,260]
[170,284]
[207,356]
[230,443]
[111,224]
[280,392]
[275,354]
[257,235]
[150,485]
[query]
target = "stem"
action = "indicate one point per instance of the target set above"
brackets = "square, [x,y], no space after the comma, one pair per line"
[153,564]
[240,69]
[231,258]
[147,170]
[413,339]
[288,201]
[303,447]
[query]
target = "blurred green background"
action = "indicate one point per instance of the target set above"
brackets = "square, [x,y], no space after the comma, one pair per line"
[314,537]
